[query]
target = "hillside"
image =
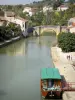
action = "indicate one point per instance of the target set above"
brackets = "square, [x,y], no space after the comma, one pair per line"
[39,18]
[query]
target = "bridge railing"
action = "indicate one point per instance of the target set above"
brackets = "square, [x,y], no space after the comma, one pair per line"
[45,26]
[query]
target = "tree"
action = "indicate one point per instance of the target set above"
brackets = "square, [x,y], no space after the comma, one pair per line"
[66,41]
[71,1]
[25,15]
[5,33]
[15,28]
[37,19]
[57,3]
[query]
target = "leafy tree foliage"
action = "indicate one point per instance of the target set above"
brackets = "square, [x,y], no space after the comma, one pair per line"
[50,18]
[71,1]
[6,32]
[57,4]
[14,28]
[61,17]
[66,41]
[37,19]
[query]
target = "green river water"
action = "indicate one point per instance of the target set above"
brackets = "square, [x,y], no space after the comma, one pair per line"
[20,65]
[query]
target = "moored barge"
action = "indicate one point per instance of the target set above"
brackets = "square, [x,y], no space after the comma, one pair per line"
[52,84]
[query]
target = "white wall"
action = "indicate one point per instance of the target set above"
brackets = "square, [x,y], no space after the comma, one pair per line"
[62,9]
[27,9]
[30,13]
[10,19]
[1,23]
[45,9]
[72,30]
[17,21]
[21,23]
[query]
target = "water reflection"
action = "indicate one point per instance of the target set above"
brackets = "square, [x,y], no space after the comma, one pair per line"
[18,48]
[21,47]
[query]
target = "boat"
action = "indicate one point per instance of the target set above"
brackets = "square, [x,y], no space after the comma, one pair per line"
[51,85]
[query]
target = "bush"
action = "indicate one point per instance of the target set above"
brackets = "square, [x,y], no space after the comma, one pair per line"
[6,32]
[66,41]
[15,28]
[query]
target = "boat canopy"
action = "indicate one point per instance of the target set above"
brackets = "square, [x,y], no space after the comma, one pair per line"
[50,73]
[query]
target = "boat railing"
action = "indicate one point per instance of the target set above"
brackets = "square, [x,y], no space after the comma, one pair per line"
[68,86]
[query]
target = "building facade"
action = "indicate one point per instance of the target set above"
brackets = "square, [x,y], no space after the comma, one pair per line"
[47,8]
[62,8]
[30,11]
[71,25]
[11,17]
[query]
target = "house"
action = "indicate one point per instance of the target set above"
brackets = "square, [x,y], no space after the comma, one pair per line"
[71,25]
[47,8]
[2,20]
[22,22]
[62,8]
[31,11]
[34,11]
[11,17]
[71,22]
[28,10]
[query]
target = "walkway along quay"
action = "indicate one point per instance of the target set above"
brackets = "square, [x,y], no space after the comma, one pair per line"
[6,42]
[66,69]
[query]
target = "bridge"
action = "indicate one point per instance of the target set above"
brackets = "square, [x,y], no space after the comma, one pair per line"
[39,30]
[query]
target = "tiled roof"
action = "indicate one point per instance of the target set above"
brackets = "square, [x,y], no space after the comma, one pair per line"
[2,18]
[10,13]
[62,6]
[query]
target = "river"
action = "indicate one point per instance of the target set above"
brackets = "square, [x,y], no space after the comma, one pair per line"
[20,65]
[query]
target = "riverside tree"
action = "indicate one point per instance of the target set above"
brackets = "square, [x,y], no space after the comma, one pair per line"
[9,31]
[66,41]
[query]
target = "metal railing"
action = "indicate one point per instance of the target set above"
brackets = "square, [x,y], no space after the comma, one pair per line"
[68,86]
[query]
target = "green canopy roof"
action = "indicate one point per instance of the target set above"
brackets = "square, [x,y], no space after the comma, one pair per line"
[50,73]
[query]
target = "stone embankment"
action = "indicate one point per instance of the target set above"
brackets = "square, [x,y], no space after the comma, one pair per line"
[9,41]
[65,62]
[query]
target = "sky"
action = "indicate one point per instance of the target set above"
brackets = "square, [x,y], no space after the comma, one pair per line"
[3,2]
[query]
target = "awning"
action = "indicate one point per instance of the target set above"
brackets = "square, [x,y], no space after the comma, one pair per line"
[50,73]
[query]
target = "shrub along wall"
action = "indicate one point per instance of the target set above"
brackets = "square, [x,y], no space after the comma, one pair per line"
[66,41]
[7,32]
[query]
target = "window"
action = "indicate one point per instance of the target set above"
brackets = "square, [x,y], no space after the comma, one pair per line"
[44,84]
[25,25]
[50,83]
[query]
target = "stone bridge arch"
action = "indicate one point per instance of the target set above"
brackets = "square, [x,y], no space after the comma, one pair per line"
[48,32]
[40,29]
